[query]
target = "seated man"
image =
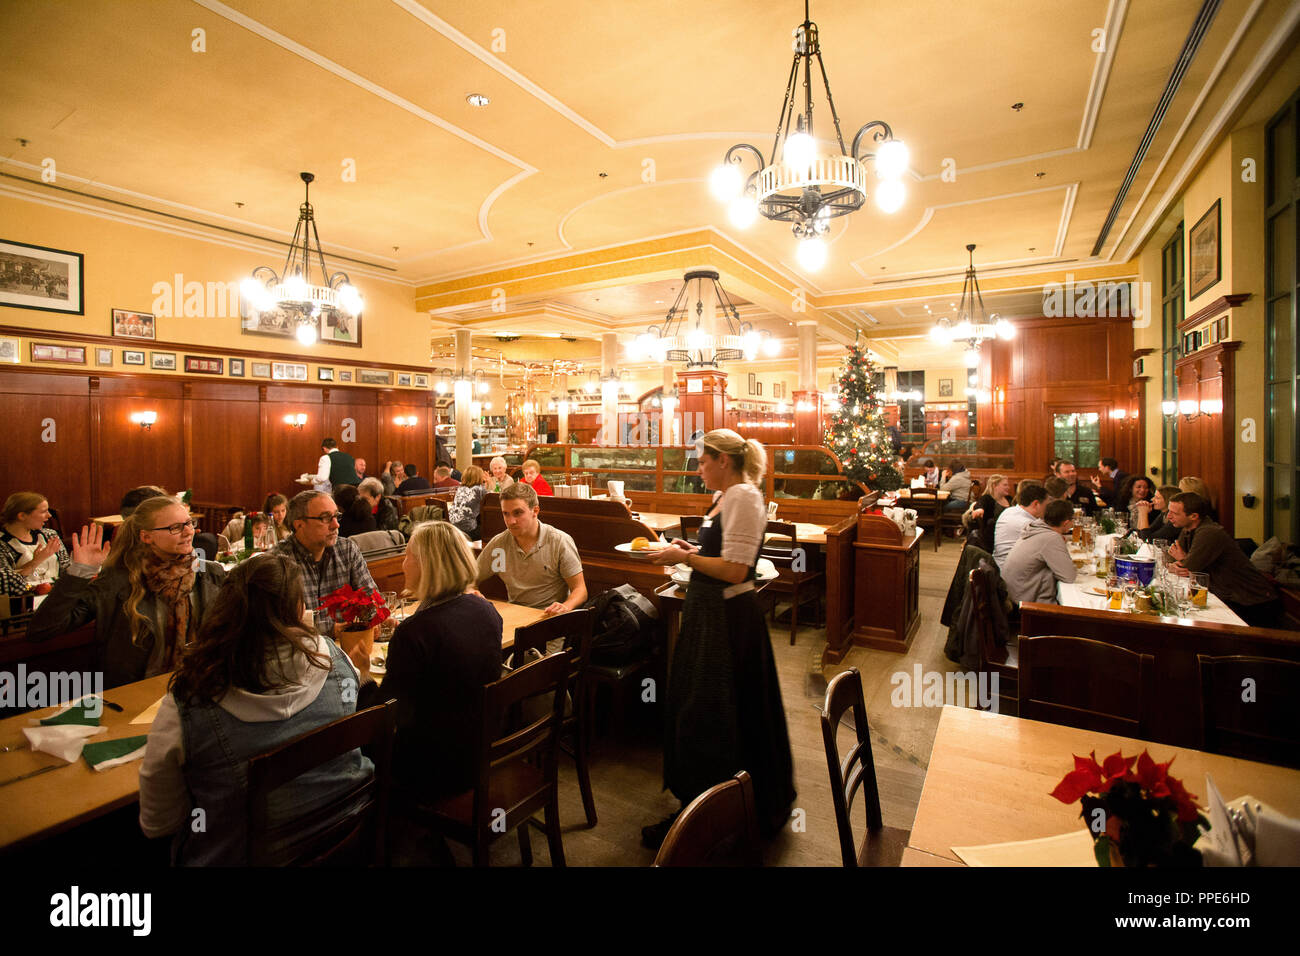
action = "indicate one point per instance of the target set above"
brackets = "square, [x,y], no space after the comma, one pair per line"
[328,561]
[1041,557]
[1056,489]
[1031,499]
[1203,545]
[385,515]
[538,564]
[442,478]
[415,483]
[1080,495]
[1109,468]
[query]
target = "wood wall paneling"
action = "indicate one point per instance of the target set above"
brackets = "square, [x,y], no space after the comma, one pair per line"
[61,469]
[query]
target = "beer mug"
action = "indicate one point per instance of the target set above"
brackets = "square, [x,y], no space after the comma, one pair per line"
[1200,589]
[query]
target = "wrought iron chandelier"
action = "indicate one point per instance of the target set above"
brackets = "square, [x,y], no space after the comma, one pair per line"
[806,188]
[306,302]
[681,339]
[974,325]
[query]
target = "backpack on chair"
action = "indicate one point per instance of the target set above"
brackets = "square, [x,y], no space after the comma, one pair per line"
[625,625]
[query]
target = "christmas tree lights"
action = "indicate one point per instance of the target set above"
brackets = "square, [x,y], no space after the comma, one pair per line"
[858,432]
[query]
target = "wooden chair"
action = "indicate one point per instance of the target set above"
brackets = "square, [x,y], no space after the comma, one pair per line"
[789,581]
[1080,682]
[1266,728]
[575,629]
[929,511]
[690,528]
[509,787]
[360,832]
[718,827]
[883,845]
[994,658]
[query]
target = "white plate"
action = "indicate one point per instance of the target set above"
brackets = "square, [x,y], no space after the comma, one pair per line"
[766,571]
[626,548]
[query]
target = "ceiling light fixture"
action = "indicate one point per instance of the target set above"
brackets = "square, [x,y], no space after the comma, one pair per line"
[477,99]
[974,325]
[334,299]
[806,187]
[718,336]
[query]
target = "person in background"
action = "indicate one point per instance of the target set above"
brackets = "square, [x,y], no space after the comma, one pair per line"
[1109,467]
[131,500]
[336,467]
[356,516]
[414,483]
[1080,495]
[931,473]
[28,548]
[392,476]
[385,516]
[1196,486]
[148,596]
[277,506]
[1204,545]
[1031,500]
[1152,516]
[1135,490]
[1051,469]
[1040,557]
[499,481]
[443,478]
[255,677]
[463,511]
[541,564]
[360,465]
[533,478]
[956,481]
[328,561]
[988,509]
[1056,488]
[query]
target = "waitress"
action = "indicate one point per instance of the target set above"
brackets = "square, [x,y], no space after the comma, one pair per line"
[27,548]
[724,702]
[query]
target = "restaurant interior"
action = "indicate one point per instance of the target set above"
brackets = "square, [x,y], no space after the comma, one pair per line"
[248,243]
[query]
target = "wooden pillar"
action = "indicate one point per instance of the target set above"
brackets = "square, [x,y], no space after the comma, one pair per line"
[702,399]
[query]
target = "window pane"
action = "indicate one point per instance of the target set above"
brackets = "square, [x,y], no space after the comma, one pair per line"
[549,456]
[1281,416]
[631,480]
[817,490]
[1280,354]
[806,461]
[1282,159]
[1281,480]
[1281,243]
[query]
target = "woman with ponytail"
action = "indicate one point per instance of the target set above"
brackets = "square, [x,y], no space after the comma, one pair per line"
[256,677]
[147,596]
[724,711]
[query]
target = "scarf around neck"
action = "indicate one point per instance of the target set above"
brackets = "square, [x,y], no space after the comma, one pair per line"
[171,579]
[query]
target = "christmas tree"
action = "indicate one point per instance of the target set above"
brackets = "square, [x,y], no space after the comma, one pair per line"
[858,430]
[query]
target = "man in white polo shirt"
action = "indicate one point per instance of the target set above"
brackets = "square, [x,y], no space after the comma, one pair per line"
[538,564]
[1031,499]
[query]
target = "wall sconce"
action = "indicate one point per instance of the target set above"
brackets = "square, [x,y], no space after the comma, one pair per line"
[144,419]
[405,421]
[1248,500]
[295,421]
[1191,409]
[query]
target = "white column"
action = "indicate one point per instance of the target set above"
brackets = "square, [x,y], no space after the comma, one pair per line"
[609,389]
[464,395]
[807,341]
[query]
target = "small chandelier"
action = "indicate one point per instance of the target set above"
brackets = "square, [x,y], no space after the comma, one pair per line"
[293,291]
[696,345]
[806,189]
[974,326]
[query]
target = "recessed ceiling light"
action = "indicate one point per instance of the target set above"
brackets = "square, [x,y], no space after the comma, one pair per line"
[1017,106]
[477,99]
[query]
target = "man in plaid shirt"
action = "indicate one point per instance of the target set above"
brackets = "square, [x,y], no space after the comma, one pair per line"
[328,562]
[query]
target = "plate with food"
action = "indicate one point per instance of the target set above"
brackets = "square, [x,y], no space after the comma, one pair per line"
[1094,589]
[646,546]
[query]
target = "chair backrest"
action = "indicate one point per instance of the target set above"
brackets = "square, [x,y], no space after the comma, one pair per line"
[575,628]
[858,768]
[1080,682]
[690,526]
[981,587]
[372,728]
[720,826]
[1250,708]
[377,542]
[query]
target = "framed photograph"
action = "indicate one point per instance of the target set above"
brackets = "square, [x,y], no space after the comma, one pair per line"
[132,357]
[281,323]
[1222,326]
[324,374]
[345,376]
[1204,260]
[237,367]
[69,354]
[340,329]
[753,382]
[421,381]
[10,350]
[34,277]
[403,379]
[289,371]
[103,356]
[133,325]
[945,388]
[261,370]
[370,376]
[163,360]
[759,386]
[204,366]
[1212,332]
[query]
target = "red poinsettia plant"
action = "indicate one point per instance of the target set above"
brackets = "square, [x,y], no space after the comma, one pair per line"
[1135,809]
[357,609]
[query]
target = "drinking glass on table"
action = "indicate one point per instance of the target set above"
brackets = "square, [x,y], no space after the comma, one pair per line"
[1178,590]
[1199,589]
[1114,593]
[324,623]
[1129,584]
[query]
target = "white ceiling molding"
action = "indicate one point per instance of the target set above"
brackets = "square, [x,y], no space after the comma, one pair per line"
[1115,15]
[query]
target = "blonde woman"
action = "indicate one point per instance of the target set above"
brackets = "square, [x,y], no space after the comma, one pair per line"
[464,508]
[27,548]
[724,709]
[438,661]
[147,596]
[1198,487]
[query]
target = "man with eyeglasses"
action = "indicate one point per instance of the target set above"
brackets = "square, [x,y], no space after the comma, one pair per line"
[328,562]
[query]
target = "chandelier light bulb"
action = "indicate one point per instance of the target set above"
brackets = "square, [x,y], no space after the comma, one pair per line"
[812,254]
[972,358]
[295,287]
[892,159]
[800,150]
[742,212]
[964,330]
[440,387]
[697,339]
[771,347]
[726,182]
[307,333]
[890,195]
[1006,331]
[1168,408]
[939,334]
[589,387]
[1188,406]
[350,299]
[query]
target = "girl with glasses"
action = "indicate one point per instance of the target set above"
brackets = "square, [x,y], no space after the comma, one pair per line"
[147,595]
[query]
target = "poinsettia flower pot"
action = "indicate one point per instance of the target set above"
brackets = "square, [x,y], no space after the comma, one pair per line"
[352,637]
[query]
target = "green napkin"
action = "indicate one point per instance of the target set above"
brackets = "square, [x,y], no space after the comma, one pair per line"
[110,753]
[76,714]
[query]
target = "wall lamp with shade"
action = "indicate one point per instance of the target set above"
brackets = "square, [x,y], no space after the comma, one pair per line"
[1191,409]
[144,419]
[406,421]
[296,421]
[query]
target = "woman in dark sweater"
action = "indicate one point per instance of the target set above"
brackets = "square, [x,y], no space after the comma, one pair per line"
[990,505]
[1151,516]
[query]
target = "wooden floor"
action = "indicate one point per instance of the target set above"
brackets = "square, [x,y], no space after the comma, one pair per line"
[627,774]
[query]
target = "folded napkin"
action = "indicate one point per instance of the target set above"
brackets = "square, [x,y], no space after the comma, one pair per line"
[85,712]
[109,753]
[62,740]
[1246,832]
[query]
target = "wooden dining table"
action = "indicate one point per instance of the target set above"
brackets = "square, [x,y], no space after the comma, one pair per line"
[991,776]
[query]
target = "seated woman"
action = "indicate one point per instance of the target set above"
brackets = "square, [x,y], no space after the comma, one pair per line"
[931,473]
[277,506]
[987,511]
[371,491]
[1134,490]
[956,481]
[148,596]
[533,478]
[27,548]
[500,480]
[1198,487]
[355,516]
[463,512]
[1152,516]
[255,677]
[272,533]
[438,661]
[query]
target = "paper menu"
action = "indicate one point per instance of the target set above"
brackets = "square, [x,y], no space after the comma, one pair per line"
[147,715]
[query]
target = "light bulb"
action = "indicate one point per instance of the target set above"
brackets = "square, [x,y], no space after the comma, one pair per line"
[1188,406]
[350,299]
[939,334]
[972,358]
[1005,329]
[1168,408]
[812,254]
[482,388]
[295,288]
[697,338]
[307,333]
[771,347]
[800,150]
[742,212]
[892,159]
[890,195]
[726,182]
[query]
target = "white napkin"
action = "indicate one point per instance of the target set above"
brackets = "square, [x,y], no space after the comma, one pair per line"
[61,740]
[1145,552]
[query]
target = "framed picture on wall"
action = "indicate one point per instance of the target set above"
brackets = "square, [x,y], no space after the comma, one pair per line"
[68,354]
[35,277]
[261,370]
[132,357]
[166,361]
[289,371]
[421,381]
[133,325]
[237,367]
[1222,326]
[370,376]
[324,374]
[339,328]
[1203,259]
[282,323]
[10,350]
[403,379]
[759,386]
[204,366]
[753,384]
[345,376]
[103,356]
[945,388]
